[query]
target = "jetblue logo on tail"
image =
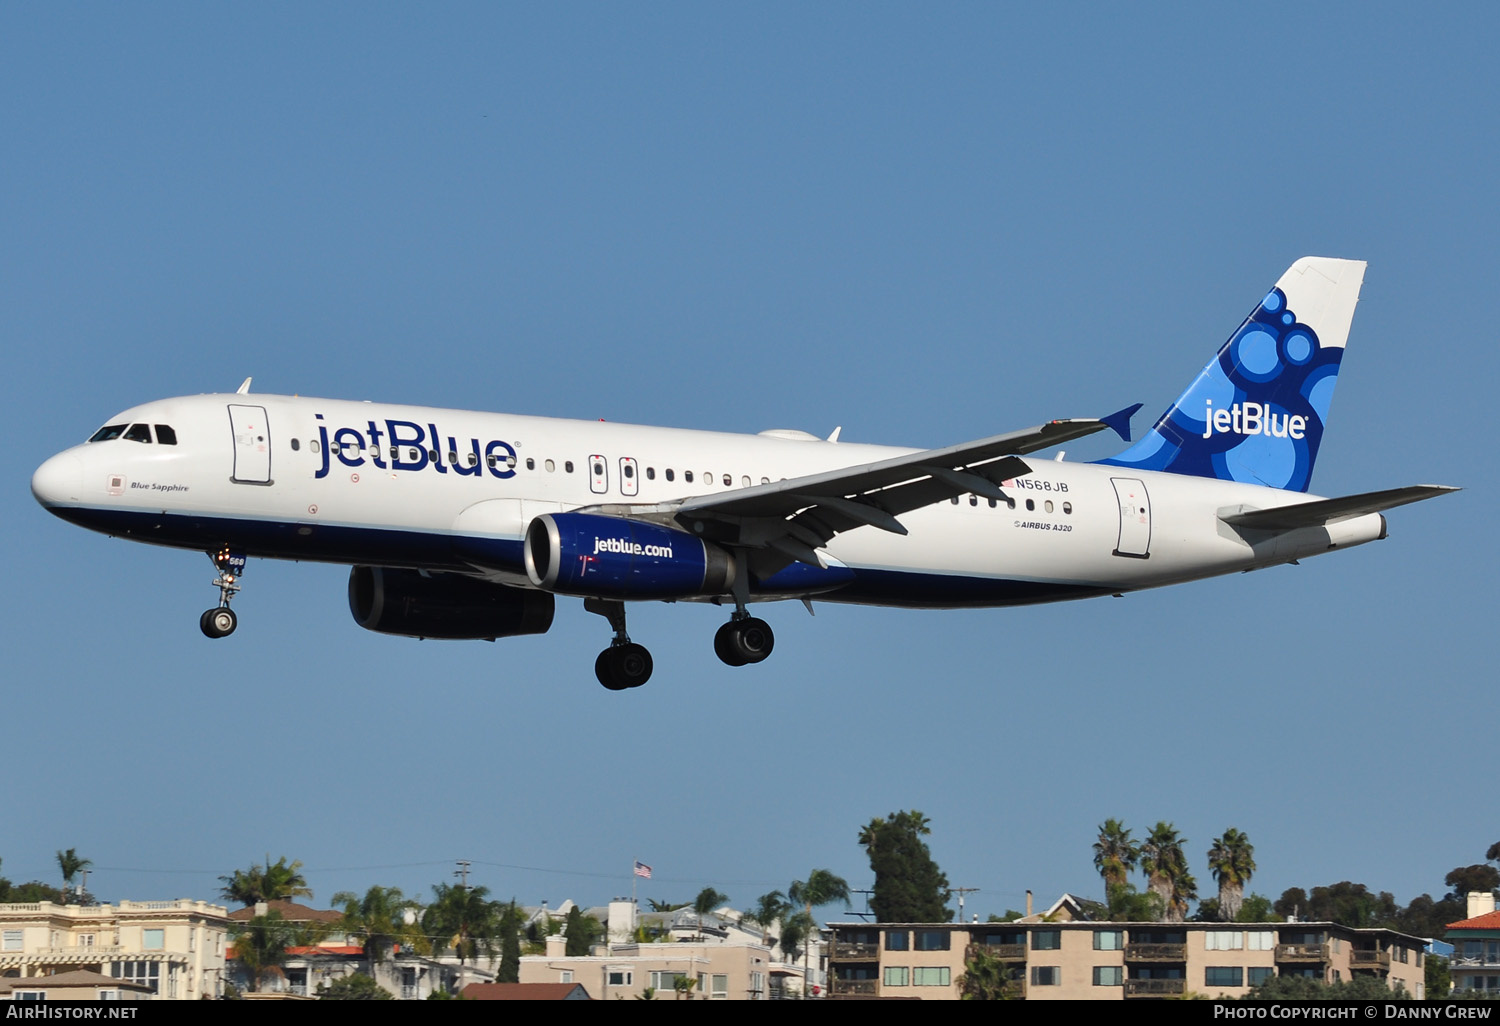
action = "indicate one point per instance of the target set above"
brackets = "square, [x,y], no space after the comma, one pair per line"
[1257,411]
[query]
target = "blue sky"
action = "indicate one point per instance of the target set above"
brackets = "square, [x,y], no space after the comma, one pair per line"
[923,224]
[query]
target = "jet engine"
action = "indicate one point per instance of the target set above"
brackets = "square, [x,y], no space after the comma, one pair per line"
[449,606]
[616,558]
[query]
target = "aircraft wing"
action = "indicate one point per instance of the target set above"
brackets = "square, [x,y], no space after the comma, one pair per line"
[796,517]
[1326,511]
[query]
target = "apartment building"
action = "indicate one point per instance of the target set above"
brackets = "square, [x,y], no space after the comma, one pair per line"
[1112,961]
[174,948]
[1475,964]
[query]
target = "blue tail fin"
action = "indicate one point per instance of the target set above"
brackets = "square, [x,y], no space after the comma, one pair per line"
[1257,412]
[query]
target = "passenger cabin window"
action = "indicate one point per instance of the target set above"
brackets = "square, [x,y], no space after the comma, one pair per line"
[530,463]
[165,435]
[108,433]
[728,480]
[650,473]
[138,433]
[296,443]
[687,475]
[568,466]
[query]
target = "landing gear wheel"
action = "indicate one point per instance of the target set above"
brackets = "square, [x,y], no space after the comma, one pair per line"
[218,623]
[623,666]
[739,642]
[725,646]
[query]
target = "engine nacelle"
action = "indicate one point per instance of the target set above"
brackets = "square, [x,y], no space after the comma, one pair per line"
[615,558]
[448,606]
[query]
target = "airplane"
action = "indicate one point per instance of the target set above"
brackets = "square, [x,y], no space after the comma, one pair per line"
[468,525]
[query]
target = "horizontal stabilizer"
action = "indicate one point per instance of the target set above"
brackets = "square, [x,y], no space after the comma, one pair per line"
[1326,511]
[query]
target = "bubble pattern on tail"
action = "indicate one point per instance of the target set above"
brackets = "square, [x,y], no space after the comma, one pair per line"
[1256,413]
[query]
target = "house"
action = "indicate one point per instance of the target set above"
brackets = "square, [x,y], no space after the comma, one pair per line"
[723,958]
[328,953]
[525,992]
[1475,963]
[1080,959]
[74,985]
[175,949]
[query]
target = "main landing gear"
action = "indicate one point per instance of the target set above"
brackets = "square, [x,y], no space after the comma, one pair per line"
[220,621]
[624,664]
[744,639]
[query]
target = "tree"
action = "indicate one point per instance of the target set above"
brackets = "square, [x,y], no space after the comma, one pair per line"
[510,945]
[1232,861]
[1438,976]
[985,978]
[266,883]
[1115,854]
[582,931]
[909,887]
[707,900]
[463,918]
[1305,988]
[71,865]
[820,888]
[768,910]
[796,929]
[1166,871]
[260,946]
[384,918]
[1128,905]
[683,984]
[354,987]
[1464,879]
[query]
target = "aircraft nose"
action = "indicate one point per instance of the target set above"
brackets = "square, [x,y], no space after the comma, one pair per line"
[57,481]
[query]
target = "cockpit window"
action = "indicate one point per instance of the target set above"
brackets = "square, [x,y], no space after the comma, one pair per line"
[165,435]
[138,433]
[108,432]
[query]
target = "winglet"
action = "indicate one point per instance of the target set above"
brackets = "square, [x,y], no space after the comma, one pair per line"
[1120,420]
[244,388]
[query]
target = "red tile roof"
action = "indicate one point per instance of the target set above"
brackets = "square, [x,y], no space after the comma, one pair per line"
[1488,921]
[291,912]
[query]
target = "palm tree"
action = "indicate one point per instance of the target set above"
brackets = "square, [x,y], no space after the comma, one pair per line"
[266,883]
[820,888]
[384,918]
[768,910]
[1232,860]
[707,900]
[71,865]
[463,918]
[1115,856]
[1166,871]
[260,946]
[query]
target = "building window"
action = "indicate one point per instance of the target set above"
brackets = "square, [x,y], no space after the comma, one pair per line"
[933,940]
[1256,975]
[1109,940]
[664,981]
[85,940]
[896,975]
[147,974]
[1046,940]
[567,976]
[720,986]
[1223,940]
[930,976]
[31,995]
[1224,976]
[897,940]
[12,940]
[153,940]
[621,977]
[1109,975]
[1260,940]
[1045,975]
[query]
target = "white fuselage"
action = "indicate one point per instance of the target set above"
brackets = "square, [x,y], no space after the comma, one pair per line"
[303,478]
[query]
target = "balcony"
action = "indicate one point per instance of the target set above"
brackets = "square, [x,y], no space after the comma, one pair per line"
[849,951]
[1365,958]
[1156,953]
[1002,952]
[1155,988]
[1302,952]
[855,988]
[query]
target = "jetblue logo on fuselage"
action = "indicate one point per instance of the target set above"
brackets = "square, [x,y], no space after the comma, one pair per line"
[1251,419]
[407,446]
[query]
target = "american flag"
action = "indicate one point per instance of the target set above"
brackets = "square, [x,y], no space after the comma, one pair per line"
[641,869]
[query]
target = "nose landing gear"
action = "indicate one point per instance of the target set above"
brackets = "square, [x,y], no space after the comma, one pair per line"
[220,621]
[624,664]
